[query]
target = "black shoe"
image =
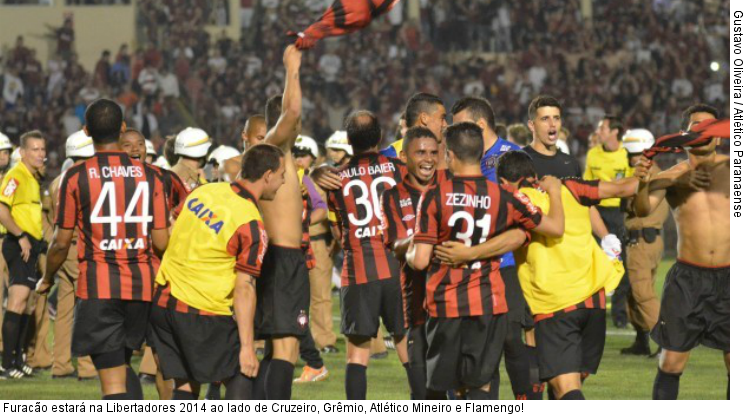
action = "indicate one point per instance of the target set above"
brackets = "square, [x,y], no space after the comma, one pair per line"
[379,356]
[72,375]
[147,379]
[329,349]
[637,349]
[620,323]
[27,370]
[11,374]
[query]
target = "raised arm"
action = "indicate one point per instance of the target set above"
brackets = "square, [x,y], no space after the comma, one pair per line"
[287,128]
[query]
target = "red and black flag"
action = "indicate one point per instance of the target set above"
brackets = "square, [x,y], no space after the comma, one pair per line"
[700,134]
[342,17]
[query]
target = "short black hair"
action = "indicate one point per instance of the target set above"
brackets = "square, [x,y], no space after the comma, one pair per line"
[465,140]
[134,131]
[478,107]
[416,133]
[259,159]
[273,110]
[616,123]
[514,166]
[35,134]
[697,108]
[419,103]
[363,130]
[501,131]
[103,119]
[542,101]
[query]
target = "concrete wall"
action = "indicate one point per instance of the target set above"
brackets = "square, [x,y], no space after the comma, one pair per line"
[96,28]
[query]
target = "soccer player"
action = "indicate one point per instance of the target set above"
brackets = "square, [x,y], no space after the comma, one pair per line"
[518,356]
[254,132]
[202,322]
[695,304]
[421,153]
[608,161]
[564,280]
[428,111]
[466,327]
[284,285]
[20,215]
[369,280]
[118,206]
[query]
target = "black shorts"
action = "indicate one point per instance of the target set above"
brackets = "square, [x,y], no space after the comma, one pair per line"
[463,352]
[22,272]
[109,325]
[570,342]
[362,306]
[417,346]
[519,311]
[695,309]
[195,347]
[283,294]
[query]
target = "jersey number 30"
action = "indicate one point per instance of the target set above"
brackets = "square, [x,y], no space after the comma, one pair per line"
[371,206]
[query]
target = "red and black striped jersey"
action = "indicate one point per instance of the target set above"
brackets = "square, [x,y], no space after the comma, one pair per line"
[307,210]
[595,301]
[175,190]
[355,208]
[115,202]
[471,210]
[399,221]
[165,299]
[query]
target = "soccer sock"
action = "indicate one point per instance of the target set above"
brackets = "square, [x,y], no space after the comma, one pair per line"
[574,395]
[259,384]
[517,362]
[536,385]
[11,328]
[20,347]
[116,397]
[182,395]
[478,395]
[356,382]
[666,385]
[134,388]
[416,381]
[279,380]
[495,383]
[238,388]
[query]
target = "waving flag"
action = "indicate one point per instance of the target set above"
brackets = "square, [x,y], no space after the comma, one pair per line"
[700,134]
[344,16]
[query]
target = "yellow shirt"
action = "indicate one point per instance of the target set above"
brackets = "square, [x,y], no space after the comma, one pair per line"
[556,273]
[3,231]
[607,166]
[21,193]
[218,231]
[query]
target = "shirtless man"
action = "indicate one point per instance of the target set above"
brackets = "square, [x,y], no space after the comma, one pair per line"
[284,285]
[253,133]
[695,305]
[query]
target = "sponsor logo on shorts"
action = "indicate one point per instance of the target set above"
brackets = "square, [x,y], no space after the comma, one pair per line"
[302,319]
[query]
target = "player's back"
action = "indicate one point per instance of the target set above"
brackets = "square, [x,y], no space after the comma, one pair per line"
[115,202]
[470,210]
[356,208]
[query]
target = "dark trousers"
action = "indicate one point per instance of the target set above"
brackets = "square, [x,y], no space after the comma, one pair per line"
[615,223]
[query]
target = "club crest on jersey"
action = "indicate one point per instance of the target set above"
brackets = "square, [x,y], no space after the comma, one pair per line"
[122,244]
[205,215]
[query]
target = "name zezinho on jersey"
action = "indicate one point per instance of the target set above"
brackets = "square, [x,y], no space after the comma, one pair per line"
[116,171]
[463,199]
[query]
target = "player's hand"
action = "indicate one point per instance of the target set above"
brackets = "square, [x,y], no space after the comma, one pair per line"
[43,286]
[292,58]
[694,179]
[643,169]
[453,253]
[550,184]
[248,361]
[25,247]
[303,40]
[326,178]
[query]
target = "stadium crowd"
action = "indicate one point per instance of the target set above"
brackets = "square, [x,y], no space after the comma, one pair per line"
[627,60]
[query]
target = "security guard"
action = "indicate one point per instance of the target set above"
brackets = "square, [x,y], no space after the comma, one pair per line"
[6,147]
[191,148]
[644,251]
[78,147]
[20,214]
[609,161]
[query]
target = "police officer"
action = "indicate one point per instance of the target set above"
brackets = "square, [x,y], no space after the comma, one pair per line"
[20,214]
[78,147]
[191,147]
[644,251]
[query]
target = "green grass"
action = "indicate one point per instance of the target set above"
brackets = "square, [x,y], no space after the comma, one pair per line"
[619,377]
